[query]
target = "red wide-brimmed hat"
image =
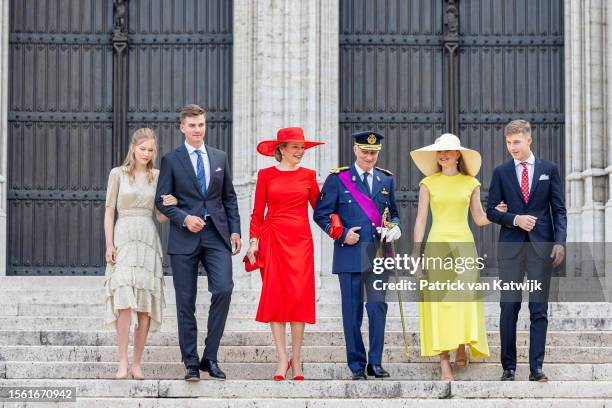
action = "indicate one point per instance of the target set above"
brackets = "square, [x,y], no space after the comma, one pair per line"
[285,135]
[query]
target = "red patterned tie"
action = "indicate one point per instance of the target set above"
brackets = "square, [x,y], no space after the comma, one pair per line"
[525,182]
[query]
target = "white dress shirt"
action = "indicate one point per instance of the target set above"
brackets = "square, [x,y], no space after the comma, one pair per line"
[530,168]
[360,172]
[193,156]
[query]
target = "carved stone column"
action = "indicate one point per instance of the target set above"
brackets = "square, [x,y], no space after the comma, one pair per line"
[4,88]
[608,118]
[285,74]
[585,119]
[120,78]
[588,90]
[574,121]
[451,46]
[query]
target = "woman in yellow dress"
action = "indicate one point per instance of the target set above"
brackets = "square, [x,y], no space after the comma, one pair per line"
[449,319]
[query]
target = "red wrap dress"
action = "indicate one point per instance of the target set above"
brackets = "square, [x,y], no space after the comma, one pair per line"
[285,244]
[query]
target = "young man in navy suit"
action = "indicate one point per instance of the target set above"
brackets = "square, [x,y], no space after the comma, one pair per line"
[531,240]
[205,228]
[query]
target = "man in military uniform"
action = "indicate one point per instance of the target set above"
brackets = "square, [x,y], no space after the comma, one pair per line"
[350,210]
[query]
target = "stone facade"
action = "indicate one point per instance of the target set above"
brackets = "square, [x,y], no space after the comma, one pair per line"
[285,74]
[588,97]
[588,124]
[287,52]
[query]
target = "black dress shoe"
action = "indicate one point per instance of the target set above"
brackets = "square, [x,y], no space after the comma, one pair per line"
[212,368]
[192,374]
[377,371]
[359,375]
[508,375]
[538,375]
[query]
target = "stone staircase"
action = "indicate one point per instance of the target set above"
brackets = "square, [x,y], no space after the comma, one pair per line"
[52,335]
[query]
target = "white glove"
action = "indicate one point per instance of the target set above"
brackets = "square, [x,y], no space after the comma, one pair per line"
[389,235]
[393,234]
[383,232]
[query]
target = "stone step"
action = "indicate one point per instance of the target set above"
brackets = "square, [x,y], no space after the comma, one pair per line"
[94,297]
[599,309]
[332,389]
[455,402]
[241,280]
[265,354]
[86,283]
[98,296]
[264,338]
[329,290]
[323,323]
[426,371]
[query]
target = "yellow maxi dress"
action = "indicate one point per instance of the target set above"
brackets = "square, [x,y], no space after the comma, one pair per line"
[444,325]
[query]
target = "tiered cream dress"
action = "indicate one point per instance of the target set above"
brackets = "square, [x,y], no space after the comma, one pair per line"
[136,280]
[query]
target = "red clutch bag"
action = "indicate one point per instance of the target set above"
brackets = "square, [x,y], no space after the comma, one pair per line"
[335,229]
[250,267]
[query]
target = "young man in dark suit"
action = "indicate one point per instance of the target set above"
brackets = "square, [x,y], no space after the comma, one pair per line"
[531,240]
[205,228]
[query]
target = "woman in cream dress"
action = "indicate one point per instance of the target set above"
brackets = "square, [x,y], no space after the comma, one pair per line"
[450,321]
[134,275]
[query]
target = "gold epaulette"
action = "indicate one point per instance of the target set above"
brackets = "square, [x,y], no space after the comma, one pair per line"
[337,170]
[385,171]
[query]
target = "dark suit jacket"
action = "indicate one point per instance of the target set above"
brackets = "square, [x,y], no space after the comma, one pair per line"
[546,202]
[177,177]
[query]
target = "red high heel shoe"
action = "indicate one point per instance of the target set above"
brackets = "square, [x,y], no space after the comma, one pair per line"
[296,377]
[282,377]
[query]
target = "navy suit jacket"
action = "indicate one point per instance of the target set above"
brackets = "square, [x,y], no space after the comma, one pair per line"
[177,177]
[546,202]
[335,199]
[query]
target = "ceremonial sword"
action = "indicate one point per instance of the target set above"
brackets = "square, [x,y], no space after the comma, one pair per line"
[386,223]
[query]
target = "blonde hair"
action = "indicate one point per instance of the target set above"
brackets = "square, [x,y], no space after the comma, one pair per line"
[278,155]
[139,136]
[516,127]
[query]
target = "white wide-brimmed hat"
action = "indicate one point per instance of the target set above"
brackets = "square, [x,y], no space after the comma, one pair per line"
[425,157]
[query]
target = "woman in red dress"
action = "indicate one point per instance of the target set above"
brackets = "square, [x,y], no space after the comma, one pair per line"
[282,242]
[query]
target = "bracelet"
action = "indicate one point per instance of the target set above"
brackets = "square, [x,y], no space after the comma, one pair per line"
[253,240]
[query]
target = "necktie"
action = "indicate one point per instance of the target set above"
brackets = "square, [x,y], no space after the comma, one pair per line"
[201,176]
[201,173]
[525,182]
[366,184]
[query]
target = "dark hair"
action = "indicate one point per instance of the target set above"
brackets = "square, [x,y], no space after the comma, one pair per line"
[192,110]
[277,152]
[460,166]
